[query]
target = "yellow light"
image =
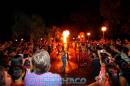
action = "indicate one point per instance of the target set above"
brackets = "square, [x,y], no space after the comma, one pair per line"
[104,28]
[82,36]
[66,33]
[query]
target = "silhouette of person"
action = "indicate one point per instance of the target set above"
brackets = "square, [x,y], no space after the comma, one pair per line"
[64,58]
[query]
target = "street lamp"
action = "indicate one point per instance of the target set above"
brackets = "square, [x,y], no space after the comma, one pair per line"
[88,34]
[104,28]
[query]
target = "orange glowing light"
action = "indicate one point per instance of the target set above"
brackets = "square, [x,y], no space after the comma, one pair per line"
[82,36]
[66,33]
[79,36]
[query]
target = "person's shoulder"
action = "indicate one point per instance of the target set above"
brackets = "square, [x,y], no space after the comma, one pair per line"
[123,81]
[13,84]
[55,75]
[63,56]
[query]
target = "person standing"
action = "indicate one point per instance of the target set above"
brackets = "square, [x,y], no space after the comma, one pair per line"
[40,75]
[64,59]
[5,78]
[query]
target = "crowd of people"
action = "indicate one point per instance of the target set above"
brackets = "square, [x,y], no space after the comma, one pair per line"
[111,63]
[28,63]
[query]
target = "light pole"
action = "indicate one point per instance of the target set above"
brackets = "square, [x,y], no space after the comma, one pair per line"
[104,28]
[88,34]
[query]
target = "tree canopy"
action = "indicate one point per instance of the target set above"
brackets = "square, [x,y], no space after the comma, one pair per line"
[32,26]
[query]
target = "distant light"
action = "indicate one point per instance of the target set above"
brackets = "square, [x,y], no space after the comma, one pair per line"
[22,39]
[88,33]
[65,34]
[79,36]
[41,38]
[73,38]
[82,36]
[16,40]
[104,28]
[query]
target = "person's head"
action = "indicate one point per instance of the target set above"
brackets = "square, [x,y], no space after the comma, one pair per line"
[94,55]
[16,63]
[62,52]
[126,41]
[27,63]
[5,79]
[41,61]
[118,42]
[17,60]
[128,51]
[125,50]
[12,51]
[113,73]
[17,72]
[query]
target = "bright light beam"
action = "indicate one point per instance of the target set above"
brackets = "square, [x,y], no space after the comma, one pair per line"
[65,35]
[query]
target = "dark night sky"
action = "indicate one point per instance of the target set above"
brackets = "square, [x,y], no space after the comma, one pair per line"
[58,12]
[83,13]
[54,12]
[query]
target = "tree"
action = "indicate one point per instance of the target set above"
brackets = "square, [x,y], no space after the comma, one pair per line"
[38,28]
[56,33]
[29,26]
[21,25]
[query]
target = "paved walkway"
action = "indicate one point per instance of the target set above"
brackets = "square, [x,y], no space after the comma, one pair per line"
[74,68]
